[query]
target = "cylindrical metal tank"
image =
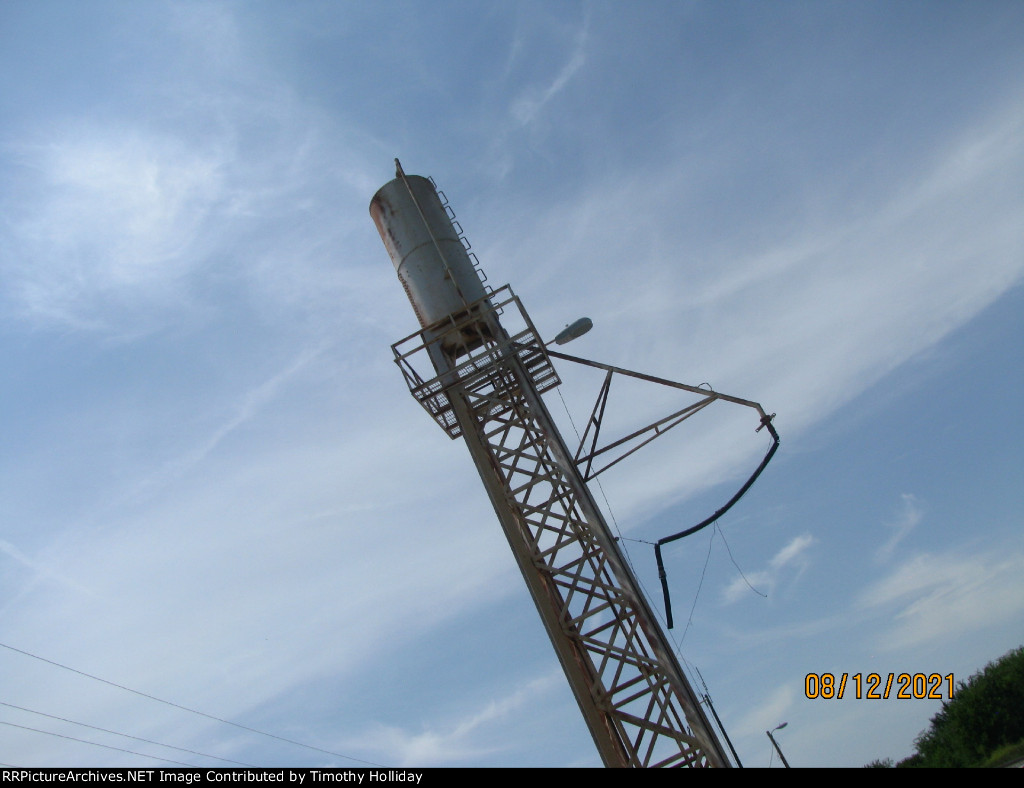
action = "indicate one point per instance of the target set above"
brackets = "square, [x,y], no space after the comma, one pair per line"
[431,261]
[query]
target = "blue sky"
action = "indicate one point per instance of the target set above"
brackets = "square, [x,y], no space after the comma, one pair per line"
[216,490]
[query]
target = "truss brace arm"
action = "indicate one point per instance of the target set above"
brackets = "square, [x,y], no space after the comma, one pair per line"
[660,427]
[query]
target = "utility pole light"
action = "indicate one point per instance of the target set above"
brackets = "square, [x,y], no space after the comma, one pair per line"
[776,744]
[481,378]
[575,331]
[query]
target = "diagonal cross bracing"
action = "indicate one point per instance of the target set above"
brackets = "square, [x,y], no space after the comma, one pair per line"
[632,694]
[486,387]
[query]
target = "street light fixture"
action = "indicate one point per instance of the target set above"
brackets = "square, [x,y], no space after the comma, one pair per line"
[577,329]
[776,744]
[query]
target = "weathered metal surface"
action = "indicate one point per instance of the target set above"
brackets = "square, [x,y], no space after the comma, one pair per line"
[635,699]
[414,359]
[428,253]
[654,429]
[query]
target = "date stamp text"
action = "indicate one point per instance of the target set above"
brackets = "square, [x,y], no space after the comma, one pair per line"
[878,686]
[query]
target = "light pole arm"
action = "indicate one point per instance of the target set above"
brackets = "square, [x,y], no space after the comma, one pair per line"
[778,749]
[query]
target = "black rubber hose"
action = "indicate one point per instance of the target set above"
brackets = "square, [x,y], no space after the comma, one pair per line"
[664,585]
[705,523]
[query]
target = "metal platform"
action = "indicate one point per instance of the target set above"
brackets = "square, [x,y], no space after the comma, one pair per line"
[412,354]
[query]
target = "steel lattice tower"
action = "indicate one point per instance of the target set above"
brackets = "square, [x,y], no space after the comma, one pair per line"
[484,383]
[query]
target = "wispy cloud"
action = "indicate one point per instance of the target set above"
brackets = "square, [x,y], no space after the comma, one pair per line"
[806,318]
[791,559]
[452,742]
[909,516]
[40,570]
[248,406]
[771,711]
[528,106]
[523,113]
[941,596]
[109,218]
[126,221]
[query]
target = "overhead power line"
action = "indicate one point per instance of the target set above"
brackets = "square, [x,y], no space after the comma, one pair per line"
[95,744]
[125,735]
[186,708]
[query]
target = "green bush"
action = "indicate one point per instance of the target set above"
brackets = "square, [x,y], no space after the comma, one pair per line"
[985,714]
[1011,753]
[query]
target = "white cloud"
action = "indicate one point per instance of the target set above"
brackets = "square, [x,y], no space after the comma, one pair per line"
[111,216]
[790,560]
[450,742]
[801,319]
[771,711]
[254,587]
[527,107]
[224,184]
[929,597]
[909,516]
[251,403]
[532,97]
[40,571]
[792,552]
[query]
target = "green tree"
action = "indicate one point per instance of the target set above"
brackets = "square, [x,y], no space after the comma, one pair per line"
[986,713]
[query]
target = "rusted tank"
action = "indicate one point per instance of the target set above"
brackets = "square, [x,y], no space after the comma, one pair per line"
[432,263]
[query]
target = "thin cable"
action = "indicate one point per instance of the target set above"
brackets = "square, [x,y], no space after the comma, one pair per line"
[676,643]
[697,595]
[126,735]
[615,522]
[607,503]
[567,413]
[722,534]
[603,495]
[186,708]
[766,421]
[634,539]
[667,622]
[97,744]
